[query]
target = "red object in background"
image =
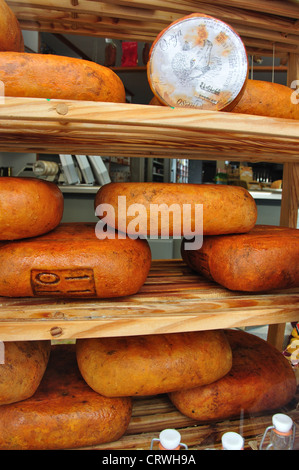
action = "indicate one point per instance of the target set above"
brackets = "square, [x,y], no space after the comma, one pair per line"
[130,54]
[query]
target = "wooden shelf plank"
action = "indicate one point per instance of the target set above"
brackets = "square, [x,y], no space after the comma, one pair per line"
[152,415]
[267,22]
[112,129]
[173,299]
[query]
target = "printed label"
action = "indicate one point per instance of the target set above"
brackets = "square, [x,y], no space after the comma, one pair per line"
[77,282]
[198,62]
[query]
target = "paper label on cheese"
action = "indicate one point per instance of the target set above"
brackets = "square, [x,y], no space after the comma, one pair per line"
[199,62]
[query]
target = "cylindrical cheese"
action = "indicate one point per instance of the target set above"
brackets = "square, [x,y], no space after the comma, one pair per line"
[175,209]
[11,38]
[28,207]
[263,99]
[198,61]
[261,379]
[73,262]
[64,413]
[58,77]
[153,364]
[265,258]
[268,99]
[22,366]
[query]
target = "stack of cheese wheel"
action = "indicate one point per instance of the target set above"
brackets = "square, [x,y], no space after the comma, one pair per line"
[153,364]
[238,372]
[64,412]
[28,208]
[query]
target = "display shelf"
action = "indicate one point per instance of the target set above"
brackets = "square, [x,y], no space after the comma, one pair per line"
[260,24]
[152,415]
[173,299]
[38,125]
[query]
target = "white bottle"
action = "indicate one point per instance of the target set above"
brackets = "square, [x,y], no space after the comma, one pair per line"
[232,441]
[169,439]
[282,433]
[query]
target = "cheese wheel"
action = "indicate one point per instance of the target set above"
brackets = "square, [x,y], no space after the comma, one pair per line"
[261,379]
[263,99]
[64,412]
[198,61]
[268,99]
[153,364]
[73,265]
[28,207]
[263,259]
[174,208]
[11,38]
[23,364]
[52,76]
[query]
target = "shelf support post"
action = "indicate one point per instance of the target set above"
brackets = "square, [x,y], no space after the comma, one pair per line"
[290,196]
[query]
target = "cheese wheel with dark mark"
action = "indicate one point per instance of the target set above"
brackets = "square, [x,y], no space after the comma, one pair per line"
[153,364]
[198,61]
[73,264]
[28,207]
[64,413]
[261,379]
[226,209]
[263,259]
[58,77]
[268,99]
[23,364]
[11,38]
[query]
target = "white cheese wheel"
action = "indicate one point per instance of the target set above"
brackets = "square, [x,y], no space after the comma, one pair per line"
[199,62]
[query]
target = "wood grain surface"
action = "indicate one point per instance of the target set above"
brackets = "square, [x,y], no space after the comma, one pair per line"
[173,299]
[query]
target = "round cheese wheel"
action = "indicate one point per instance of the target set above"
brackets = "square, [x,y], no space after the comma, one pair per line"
[28,207]
[64,413]
[74,262]
[174,208]
[263,99]
[11,38]
[263,259]
[153,364]
[268,99]
[198,61]
[23,364]
[261,379]
[58,77]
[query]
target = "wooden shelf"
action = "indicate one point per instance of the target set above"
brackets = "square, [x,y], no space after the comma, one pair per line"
[37,125]
[173,299]
[152,415]
[260,24]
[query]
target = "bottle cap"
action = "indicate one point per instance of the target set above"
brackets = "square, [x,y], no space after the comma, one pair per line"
[232,441]
[198,62]
[170,438]
[282,422]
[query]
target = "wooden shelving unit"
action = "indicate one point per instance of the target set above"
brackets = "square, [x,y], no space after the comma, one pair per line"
[173,298]
[260,24]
